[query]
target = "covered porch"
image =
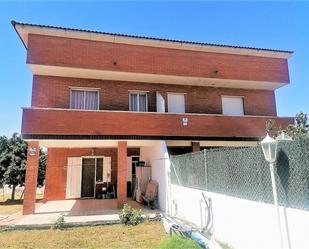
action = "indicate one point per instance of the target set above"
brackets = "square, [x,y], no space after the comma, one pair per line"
[111,164]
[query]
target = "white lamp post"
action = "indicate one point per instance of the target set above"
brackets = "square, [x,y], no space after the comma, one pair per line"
[269,147]
[285,138]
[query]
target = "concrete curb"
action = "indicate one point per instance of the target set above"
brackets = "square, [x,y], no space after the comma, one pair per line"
[68,224]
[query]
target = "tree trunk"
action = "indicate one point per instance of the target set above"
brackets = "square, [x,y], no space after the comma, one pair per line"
[13,193]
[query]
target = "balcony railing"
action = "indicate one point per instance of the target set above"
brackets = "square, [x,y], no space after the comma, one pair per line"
[45,121]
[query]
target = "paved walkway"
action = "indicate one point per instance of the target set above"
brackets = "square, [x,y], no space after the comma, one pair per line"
[77,212]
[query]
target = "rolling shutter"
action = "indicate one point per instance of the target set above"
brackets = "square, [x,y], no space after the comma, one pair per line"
[176,103]
[233,106]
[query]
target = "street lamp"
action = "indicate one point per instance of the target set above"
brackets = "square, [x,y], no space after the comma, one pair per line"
[269,147]
[285,138]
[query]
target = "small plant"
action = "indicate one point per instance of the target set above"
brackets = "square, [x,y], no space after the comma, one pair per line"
[59,223]
[8,228]
[130,216]
[158,217]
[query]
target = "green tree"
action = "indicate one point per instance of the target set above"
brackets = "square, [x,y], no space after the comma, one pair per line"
[42,168]
[3,145]
[13,158]
[300,128]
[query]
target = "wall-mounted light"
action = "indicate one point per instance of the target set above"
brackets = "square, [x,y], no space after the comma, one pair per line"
[185,121]
[32,151]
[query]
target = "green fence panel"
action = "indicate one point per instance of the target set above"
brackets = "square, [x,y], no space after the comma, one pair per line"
[244,173]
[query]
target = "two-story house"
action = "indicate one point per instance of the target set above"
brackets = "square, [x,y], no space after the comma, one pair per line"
[102,102]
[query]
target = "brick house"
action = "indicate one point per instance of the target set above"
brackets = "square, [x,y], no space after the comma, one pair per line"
[101,102]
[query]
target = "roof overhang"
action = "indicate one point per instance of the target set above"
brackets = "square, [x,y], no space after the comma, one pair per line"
[23,30]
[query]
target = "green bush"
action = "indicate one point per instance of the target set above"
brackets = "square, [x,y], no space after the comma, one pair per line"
[130,216]
[177,242]
[59,223]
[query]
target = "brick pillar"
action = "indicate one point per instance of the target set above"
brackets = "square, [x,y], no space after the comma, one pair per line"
[195,146]
[122,173]
[31,177]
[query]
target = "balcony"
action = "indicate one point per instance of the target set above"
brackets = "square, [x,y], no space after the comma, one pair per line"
[42,123]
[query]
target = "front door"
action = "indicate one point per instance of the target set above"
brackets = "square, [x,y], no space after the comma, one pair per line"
[88,178]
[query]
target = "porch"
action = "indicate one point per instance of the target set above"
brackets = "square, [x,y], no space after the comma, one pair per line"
[96,170]
[79,212]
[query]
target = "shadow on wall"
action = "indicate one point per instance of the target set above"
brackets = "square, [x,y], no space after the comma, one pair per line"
[283,171]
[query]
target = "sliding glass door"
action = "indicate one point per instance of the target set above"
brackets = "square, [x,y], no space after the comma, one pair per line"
[88,178]
[92,173]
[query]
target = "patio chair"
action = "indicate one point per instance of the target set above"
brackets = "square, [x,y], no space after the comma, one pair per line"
[110,192]
[151,195]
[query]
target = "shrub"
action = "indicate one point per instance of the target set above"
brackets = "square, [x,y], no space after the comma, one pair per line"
[59,223]
[130,216]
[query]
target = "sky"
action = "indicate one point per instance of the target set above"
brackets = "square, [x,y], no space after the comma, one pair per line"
[277,25]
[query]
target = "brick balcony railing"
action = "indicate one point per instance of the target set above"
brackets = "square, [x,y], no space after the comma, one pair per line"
[42,121]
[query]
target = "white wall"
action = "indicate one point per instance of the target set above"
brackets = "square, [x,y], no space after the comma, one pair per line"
[157,157]
[242,223]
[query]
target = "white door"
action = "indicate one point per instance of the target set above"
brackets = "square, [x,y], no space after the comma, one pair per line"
[233,106]
[107,172]
[176,103]
[74,177]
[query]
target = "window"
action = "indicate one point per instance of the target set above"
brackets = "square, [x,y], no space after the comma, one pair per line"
[138,102]
[135,160]
[233,106]
[176,103]
[99,170]
[84,99]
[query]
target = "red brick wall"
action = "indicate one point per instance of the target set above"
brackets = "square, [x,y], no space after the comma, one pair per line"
[79,53]
[31,178]
[54,92]
[122,173]
[55,187]
[42,121]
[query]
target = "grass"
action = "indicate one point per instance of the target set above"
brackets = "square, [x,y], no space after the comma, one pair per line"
[7,206]
[146,235]
[177,242]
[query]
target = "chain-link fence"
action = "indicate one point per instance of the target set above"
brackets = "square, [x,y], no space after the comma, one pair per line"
[244,173]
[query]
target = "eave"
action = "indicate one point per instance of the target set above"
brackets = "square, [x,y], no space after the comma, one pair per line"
[24,29]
